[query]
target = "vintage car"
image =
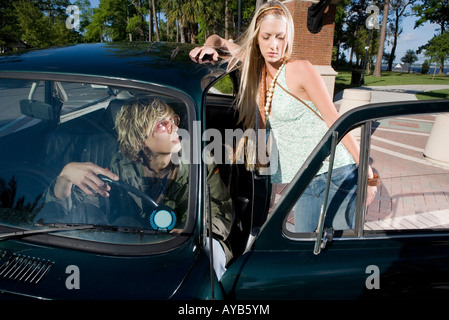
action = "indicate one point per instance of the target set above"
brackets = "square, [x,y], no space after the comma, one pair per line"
[59,105]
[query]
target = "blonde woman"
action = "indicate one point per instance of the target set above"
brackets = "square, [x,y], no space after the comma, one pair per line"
[289,97]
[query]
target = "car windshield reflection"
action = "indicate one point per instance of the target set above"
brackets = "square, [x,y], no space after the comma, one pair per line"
[72,160]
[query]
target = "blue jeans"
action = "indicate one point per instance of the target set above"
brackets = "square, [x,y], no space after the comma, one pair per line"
[341,201]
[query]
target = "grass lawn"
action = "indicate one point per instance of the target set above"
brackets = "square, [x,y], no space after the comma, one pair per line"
[343,81]
[388,78]
[437,94]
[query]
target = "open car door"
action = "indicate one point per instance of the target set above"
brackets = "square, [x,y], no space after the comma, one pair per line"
[397,247]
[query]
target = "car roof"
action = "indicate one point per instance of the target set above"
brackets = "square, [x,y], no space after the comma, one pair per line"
[164,64]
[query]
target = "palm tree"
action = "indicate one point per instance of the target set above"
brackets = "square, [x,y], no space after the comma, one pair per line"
[187,13]
[156,24]
[173,14]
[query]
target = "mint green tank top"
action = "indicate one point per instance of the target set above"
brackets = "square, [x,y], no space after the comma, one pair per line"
[297,131]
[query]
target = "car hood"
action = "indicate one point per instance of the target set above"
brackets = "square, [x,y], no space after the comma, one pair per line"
[74,274]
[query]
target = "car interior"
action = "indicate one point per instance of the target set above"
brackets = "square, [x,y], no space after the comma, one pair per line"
[40,143]
[249,191]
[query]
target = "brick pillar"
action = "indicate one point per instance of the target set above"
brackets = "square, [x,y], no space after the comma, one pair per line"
[317,48]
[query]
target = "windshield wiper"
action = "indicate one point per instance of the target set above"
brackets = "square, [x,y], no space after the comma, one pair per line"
[59,227]
[54,228]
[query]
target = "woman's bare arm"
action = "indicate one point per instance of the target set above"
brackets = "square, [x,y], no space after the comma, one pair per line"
[313,84]
[213,48]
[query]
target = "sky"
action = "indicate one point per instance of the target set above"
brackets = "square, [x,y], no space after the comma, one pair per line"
[409,39]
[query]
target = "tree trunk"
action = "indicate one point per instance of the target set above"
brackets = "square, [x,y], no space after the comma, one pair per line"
[130,36]
[442,59]
[182,32]
[352,49]
[150,29]
[168,30]
[156,24]
[226,20]
[383,32]
[395,43]
[351,54]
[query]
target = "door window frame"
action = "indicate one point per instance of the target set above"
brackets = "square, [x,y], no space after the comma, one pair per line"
[361,116]
[58,240]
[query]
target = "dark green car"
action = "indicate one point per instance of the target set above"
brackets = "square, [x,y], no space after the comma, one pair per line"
[58,106]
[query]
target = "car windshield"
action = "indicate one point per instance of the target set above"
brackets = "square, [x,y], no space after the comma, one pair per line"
[103,158]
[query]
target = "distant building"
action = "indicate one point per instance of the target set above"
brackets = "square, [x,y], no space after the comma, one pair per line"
[402,67]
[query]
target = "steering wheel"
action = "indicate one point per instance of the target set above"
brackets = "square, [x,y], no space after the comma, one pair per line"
[162,217]
[130,188]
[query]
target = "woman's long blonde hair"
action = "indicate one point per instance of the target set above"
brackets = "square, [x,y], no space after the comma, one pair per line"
[252,62]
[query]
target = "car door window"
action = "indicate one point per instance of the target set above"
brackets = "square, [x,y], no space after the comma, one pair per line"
[413,193]
[339,198]
[223,86]
[414,189]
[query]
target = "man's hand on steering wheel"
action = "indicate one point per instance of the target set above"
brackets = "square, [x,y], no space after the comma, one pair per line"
[85,176]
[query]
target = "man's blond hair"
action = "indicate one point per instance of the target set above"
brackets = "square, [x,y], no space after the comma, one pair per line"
[135,123]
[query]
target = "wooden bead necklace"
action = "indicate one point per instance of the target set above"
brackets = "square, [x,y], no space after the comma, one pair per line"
[270,91]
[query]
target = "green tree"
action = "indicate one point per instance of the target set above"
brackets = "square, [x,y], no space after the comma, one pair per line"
[9,27]
[212,23]
[184,20]
[96,29]
[339,33]
[40,30]
[425,67]
[55,10]
[398,10]
[410,58]
[437,49]
[186,14]
[433,11]
[118,20]
[173,12]
[195,20]
[355,22]
[86,13]
[366,46]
